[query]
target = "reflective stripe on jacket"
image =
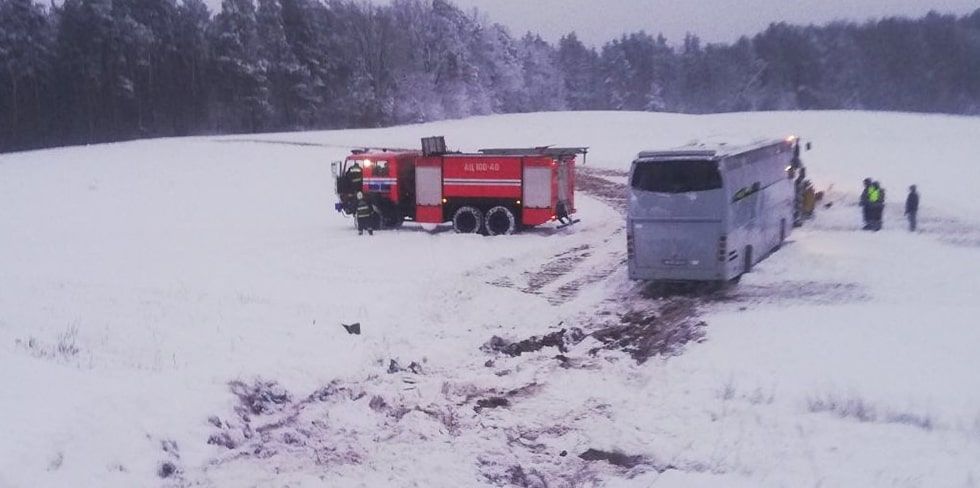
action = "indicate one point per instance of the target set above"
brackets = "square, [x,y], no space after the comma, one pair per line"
[363,210]
[355,175]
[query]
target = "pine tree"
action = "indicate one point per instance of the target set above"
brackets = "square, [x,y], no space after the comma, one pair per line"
[26,44]
[240,74]
[579,68]
[308,30]
[792,70]
[736,77]
[149,30]
[288,80]
[542,77]
[450,60]
[366,66]
[497,58]
[193,60]
[91,88]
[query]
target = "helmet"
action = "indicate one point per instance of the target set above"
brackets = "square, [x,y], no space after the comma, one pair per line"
[360,195]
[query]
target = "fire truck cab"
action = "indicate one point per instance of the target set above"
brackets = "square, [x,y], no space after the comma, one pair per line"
[387,179]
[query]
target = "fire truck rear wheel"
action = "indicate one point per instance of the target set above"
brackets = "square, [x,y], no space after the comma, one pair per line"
[468,220]
[500,220]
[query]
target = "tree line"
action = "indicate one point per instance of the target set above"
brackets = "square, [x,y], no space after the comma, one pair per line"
[89,71]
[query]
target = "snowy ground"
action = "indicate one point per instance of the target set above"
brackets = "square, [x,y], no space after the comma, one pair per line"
[176,305]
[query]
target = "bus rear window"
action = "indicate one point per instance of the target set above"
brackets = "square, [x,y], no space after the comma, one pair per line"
[676,176]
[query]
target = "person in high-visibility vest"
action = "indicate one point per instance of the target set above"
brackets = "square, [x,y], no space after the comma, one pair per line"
[363,215]
[865,204]
[809,200]
[876,202]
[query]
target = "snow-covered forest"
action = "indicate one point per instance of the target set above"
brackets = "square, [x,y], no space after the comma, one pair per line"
[87,71]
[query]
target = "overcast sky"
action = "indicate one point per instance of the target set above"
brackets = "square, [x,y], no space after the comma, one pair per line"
[597,21]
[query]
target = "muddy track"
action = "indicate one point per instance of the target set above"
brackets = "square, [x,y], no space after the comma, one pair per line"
[558,266]
[603,262]
[635,323]
[593,182]
[571,289]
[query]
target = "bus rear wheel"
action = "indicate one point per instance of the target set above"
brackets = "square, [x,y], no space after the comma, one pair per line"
[467,220]
[500,220]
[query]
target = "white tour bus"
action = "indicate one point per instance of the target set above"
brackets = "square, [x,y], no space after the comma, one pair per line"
[709,212]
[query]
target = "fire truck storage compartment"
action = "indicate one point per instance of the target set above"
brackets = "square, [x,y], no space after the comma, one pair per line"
[538,196]
[428,191]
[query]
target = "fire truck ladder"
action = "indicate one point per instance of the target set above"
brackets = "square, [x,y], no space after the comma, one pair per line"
[555,152]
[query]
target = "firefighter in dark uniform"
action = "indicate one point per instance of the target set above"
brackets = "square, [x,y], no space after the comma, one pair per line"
[364,214]
[353,183]
[355,177]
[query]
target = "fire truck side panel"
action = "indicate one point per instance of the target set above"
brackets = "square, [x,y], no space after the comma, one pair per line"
[476,176]
[428,190]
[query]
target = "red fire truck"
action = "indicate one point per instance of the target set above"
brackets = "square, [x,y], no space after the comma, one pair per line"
[494,191]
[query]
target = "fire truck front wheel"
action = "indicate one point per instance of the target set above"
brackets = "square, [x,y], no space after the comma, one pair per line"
[468,220]
[500,220]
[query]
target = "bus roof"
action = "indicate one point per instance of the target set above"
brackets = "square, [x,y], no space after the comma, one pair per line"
[712,149]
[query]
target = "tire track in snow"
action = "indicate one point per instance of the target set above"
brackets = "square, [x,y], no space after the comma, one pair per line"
[601,261]
[593,182]
[559,265]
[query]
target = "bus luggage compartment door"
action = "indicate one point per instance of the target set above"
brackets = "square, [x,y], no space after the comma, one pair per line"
[678,250]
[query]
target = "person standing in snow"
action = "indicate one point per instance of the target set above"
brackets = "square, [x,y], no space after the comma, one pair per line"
[876,204]
[912,207]
[561,212]
[865,204]
[363,215]
[355,177]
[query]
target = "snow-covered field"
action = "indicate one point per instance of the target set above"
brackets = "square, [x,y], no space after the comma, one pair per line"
[170,315]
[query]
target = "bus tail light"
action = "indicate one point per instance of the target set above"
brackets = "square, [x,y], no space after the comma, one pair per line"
[722,248]
[629,245]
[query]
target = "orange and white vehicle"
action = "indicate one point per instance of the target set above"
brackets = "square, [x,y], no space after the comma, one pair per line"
[493,191]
